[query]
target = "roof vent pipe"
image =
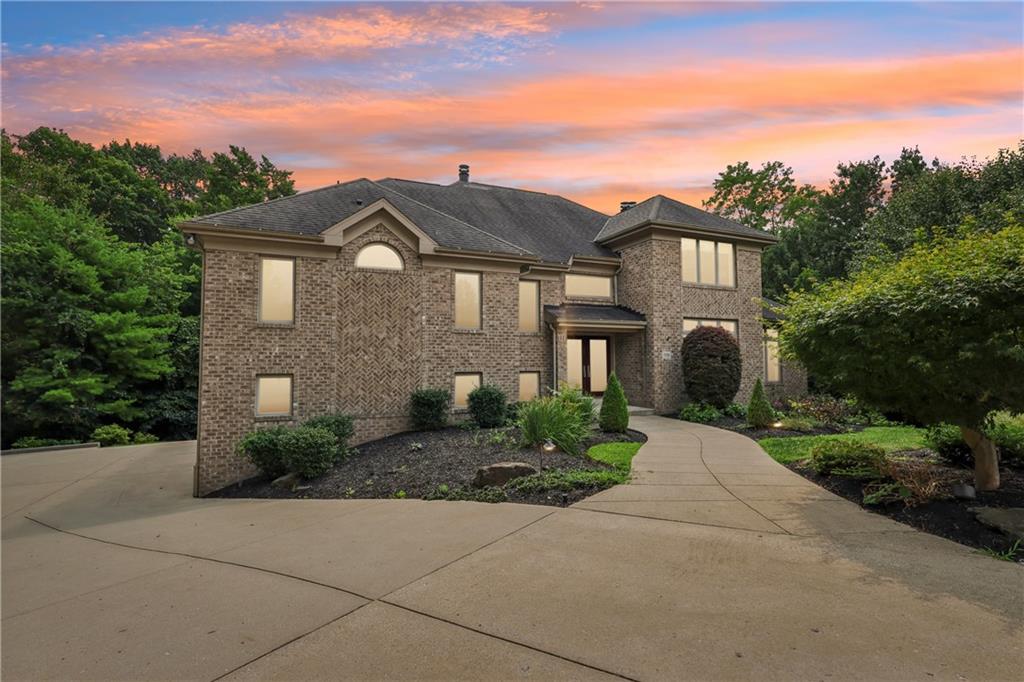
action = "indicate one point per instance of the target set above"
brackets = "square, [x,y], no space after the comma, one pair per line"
[463,172]
[626,205]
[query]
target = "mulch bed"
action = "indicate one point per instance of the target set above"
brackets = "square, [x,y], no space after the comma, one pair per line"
[741,426]
[415,463]
[949,518]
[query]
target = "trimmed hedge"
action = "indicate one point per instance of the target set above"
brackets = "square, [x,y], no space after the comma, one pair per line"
[711,366]
[429,407]
[338,424]
[307,451]
[614,416]
[487,406]
[263,448]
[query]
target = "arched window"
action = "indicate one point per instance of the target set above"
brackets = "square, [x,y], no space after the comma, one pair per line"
[379,257]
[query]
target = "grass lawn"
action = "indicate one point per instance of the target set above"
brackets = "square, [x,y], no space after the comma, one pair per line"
[889,438]
[618,455]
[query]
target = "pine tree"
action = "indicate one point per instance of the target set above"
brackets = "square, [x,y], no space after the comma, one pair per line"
[759,412]
[614,407]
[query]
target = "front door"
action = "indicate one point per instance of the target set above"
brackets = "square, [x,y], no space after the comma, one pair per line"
[587,363]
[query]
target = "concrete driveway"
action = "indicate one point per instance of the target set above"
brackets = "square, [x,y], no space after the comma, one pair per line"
[714,563]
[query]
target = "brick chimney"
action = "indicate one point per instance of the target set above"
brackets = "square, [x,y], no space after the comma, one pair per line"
[463,172]
[626,205]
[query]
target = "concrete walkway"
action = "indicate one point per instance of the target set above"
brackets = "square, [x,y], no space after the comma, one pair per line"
[713,563]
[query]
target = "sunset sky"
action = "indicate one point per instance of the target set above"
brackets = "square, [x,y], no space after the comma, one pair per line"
[599,102]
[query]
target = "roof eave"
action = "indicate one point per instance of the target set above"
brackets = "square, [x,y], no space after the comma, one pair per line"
[767,238]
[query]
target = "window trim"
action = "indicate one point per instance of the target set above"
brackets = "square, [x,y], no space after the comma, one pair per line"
[717,320]
[290,414]
[401,261]
[611,287]
[455,378]
[519,387]
[259,292]
[765,353]
[455,300]
[696,282]
[537,316]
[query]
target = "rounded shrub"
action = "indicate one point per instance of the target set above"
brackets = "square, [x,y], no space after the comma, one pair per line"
[141,438]
[264,448]
[847,457]
[112,434]
[487,406]
[760,414]
[711,366]
[699,413]
[308,451]
[428,408]
[614,415]
[340,425]
[947,441]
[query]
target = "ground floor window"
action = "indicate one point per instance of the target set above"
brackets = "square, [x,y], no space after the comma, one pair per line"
[273,396]
[691,323]
[772,363]
[464,385]
[529,385]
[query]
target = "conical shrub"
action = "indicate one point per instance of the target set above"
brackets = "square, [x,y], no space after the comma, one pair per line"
[614,415]
[759,412]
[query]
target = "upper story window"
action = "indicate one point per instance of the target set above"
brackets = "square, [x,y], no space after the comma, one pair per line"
[379,257]
[772,362]
[468,301]
[708,262]
[277,290]
[529,306]
[691,323]
[588,286]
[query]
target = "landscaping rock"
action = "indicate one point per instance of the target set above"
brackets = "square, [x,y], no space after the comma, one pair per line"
[501,473]
[1009,520]
[964,491]
[288,481]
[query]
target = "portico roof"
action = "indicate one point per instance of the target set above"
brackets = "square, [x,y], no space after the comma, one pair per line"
[589,316]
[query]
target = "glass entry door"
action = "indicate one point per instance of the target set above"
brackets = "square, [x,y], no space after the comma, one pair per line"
[587,363]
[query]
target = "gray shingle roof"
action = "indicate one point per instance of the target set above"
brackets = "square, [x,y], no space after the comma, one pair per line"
[470,216]
[666,211]
[580,312]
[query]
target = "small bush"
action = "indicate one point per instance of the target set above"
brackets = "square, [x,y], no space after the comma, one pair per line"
[265,449]
[820,407]
[760,414]
[574,400]
[487,405]
[338,424]
[141,438]
[1007,431]
[699,413]
[711,366]
[802,424]
[735,410]
[614,415]
[550,418]
[112,434]
[428,408]
[34,442]
[947,441]
[847,458]
[308,451]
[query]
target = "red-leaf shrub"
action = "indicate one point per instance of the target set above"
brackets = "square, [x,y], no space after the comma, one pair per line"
[711,366]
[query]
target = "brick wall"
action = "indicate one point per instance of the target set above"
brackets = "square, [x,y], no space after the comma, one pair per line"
[793,384]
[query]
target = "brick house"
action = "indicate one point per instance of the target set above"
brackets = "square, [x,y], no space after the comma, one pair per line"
[349,297]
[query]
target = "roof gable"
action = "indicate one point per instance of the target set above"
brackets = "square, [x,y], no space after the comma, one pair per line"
[663,210]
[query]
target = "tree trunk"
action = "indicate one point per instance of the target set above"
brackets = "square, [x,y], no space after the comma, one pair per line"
[986,462]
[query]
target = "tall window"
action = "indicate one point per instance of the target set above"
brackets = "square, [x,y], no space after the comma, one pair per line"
[277,290]
[379,257]
[529,306]
[691,323]
[708,262]
[529,385]
[468,313]
[273,396]
[588,286]
[772,363]
[464,385]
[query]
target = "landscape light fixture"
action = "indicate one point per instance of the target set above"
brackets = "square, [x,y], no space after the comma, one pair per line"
[548,446]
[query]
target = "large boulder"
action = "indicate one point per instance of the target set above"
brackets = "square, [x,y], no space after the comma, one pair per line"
[501,473]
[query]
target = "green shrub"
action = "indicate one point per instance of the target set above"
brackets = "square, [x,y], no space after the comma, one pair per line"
[735,410]
[308,451]
[141,438]
[487,405]
[802,424]
[340,425]
[711,366]
[565,480]
[820,407]
[760,414]
[564,423]
[574,400]
[947,441]
[112,434]
[1007,431]
[265,449]
[428,408]
[699,413]
[34,442]
[847,458]
[614,415]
